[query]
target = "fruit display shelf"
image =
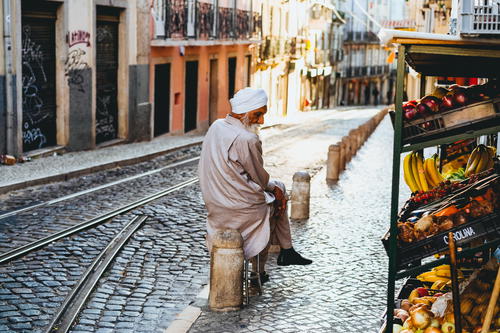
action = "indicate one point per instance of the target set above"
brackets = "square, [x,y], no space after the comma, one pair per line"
[445,58]
[468,118]
[488,225]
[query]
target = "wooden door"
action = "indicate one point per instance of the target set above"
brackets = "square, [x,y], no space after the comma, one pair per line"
[162,99]
[214,93]
[191,96]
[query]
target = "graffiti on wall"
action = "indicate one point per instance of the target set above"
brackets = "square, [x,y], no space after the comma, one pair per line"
[78,37]
[73,67]
[75,62]
[33,80]
[106,107]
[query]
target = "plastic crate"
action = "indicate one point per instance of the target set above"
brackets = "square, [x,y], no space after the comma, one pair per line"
[456,120]
[481,227]
[479,17]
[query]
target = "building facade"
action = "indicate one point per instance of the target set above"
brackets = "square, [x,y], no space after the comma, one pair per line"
[296,60]
[367,77]
[201,54]
[73,74]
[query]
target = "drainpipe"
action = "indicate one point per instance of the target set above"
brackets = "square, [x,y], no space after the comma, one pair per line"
[10,116]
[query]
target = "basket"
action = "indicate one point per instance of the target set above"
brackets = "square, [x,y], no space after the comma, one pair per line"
[479,17]
[471,116]
[481,227]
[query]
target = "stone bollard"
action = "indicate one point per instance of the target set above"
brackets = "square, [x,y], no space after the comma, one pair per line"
[359,135]
[226,271]
[342,159]
[333,163]
[354,138]
[301,190]
[349,151]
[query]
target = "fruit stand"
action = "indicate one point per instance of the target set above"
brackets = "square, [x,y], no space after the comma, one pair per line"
[419,234]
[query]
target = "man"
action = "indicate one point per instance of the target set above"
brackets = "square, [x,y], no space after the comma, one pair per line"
[236,188]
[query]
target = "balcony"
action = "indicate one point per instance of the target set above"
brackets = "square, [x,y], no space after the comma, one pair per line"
[203,22]
[366,71]
[360,37]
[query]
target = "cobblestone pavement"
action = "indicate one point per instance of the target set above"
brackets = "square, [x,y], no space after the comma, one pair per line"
[344,289]
[164,265]
[14,229]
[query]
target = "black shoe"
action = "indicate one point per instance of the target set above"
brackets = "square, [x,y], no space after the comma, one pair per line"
[264,277]
[289,257]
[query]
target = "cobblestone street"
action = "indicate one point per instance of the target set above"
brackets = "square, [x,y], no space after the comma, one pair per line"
[164,266]
[344,289]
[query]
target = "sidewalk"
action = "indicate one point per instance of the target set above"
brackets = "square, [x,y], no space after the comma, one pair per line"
[69,165]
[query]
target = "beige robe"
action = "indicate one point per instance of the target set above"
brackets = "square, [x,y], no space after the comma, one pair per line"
[235,185]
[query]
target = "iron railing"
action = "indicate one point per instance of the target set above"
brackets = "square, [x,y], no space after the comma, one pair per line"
[226,23]
[256,25]
[176,19]
[203,19]
[243,23]
[360,37]
[359,71]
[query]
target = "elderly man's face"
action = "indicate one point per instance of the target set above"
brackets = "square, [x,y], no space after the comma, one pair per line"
[257,116]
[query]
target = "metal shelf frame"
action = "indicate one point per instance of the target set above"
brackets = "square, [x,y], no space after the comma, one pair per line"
[404,51]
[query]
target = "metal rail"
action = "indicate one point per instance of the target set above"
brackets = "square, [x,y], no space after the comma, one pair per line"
[25,249]
[97,188]
[77,298]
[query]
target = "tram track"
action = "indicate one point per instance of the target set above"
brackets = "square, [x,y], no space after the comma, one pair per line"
[40,243]
[79,295]
[97,188]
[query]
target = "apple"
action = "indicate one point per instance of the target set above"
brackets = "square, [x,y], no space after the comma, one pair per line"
[422,292]
[410,113]
[422,109]
[448,327]
[446,103]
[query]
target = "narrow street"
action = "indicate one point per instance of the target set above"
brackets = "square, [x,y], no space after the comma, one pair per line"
[164,266]
[344,289]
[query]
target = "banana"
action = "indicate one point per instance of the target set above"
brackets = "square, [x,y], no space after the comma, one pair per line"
[427,172]
[492,150]
[484,160]
[432,279]
[438,285]
[440,177]
[421,173]
[472,157]
[408,175]
[446,273]
[491,163]
[476,158]
[432,171]
[414,170]
[440,267]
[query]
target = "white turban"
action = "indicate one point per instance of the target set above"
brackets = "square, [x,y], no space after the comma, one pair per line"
[248,99]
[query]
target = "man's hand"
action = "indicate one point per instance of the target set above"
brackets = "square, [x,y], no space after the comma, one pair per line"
[280,202]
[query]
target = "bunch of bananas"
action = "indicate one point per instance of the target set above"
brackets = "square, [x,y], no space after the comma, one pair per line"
[481,159]
[432,174]
[421,175]
[439,276]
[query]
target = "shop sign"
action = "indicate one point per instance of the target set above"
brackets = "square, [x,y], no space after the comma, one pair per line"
[462,234]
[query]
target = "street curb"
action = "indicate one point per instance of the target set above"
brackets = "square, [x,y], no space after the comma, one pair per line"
[184,320]
[96,168]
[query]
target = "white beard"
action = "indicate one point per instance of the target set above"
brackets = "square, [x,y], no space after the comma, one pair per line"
[253,128]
